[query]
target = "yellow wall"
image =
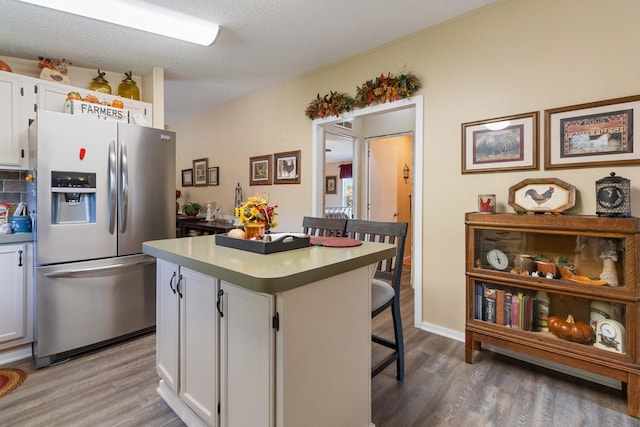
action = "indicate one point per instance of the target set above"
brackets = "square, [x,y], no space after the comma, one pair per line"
[511,57]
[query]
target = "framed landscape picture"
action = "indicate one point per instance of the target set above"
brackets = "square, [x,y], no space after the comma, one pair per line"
[592,135]
[287,167]
[502,144]
[260,170]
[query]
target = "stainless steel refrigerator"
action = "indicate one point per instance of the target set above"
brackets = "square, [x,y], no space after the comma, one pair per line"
[101,189]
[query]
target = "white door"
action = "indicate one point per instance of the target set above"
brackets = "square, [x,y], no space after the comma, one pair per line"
[167,317]
[10,115]
[247,359]
[13,290]
[382,180]
[199,344]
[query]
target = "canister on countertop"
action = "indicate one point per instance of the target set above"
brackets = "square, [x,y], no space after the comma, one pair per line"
[613,196]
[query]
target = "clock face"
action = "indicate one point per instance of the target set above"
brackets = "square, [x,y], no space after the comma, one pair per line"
[497,259]
[608,330]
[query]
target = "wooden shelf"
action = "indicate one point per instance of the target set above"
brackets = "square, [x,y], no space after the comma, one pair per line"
[584,241]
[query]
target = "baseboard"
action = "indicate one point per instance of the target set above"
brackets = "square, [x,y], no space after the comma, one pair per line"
[16,353]
[588,376]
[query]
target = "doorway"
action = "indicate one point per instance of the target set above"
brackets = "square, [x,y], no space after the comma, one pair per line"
[366,121]
[388,185]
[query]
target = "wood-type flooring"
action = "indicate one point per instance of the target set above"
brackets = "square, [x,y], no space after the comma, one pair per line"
[116,386]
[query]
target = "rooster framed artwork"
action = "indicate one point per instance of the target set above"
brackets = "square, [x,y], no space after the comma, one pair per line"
[260,170]
[542,195]
[501,144]
[287,167]
[592,135]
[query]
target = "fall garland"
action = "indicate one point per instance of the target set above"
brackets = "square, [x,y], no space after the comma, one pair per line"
[387,88]
[382,89]
[332,104]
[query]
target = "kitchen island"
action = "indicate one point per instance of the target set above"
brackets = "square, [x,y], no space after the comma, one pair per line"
[265,340]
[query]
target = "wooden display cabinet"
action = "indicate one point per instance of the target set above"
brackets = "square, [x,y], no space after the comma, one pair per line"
[502,252]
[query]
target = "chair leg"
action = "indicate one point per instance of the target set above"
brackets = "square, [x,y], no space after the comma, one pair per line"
[397,328]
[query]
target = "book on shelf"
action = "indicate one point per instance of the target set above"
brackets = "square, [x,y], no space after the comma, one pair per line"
[500,306]
[507,308]
[490,304]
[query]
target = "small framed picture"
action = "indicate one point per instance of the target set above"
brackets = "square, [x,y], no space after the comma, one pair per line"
[200,169]
[287,167]
[330,184]
[595,134]
[213,175]
[187,177]
[260,170]
[500,145]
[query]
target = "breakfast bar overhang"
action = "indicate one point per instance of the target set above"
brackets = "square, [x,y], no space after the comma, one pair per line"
[265,340]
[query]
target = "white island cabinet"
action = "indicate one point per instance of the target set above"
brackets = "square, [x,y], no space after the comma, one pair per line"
[283,339]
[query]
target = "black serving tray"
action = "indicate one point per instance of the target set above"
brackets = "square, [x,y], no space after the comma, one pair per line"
[261,247]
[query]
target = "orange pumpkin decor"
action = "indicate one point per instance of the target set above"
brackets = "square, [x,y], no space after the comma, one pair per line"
[117,103]
[92,99]
[569,329]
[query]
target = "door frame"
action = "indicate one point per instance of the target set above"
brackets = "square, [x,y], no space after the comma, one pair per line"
[317,179]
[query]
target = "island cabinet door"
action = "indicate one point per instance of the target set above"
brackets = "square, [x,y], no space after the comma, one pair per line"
[247,357]
[167,309]
[199,344]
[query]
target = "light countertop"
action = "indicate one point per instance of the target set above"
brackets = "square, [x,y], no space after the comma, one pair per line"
[270,273]
[16,238]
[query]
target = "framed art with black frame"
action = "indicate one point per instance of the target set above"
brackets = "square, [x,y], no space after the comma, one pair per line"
[592,135]
[214,175]
[331,184]
[260,170]
[187,177]
[502,144]
[287,167]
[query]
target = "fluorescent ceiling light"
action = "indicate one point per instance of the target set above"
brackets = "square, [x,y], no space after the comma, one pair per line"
[141,16]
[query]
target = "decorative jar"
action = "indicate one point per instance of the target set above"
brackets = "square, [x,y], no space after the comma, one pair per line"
[128,88]
[100,84]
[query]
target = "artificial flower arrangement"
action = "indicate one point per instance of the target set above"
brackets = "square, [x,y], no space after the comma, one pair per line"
[332,104]
[387,89]
[256,210]
[379,90]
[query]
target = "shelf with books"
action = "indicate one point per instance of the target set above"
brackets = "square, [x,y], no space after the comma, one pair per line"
[561,288]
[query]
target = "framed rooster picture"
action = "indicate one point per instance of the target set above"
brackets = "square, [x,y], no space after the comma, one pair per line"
[595,134]
[542,195]
[287,167]
[501,144]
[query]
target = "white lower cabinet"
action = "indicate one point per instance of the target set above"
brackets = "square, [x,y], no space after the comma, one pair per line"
[16,308]
[187,339]
[214,373]
[247,357]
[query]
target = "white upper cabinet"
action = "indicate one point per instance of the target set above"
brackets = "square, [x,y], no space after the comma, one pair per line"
[14,126]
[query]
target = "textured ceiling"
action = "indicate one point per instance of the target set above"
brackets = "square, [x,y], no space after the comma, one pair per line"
[261,43]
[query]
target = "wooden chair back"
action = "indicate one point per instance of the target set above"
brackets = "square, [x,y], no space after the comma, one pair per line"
[328,227]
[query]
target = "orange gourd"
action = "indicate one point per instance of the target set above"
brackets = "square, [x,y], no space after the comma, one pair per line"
[569,329]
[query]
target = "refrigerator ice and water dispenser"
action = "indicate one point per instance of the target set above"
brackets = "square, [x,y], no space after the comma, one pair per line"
[73,197]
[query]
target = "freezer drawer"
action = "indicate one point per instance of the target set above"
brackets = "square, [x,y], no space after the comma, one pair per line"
[85,303]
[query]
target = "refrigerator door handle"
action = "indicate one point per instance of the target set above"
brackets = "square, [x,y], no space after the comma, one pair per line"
[76,271]
[111,212]
[124,186]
